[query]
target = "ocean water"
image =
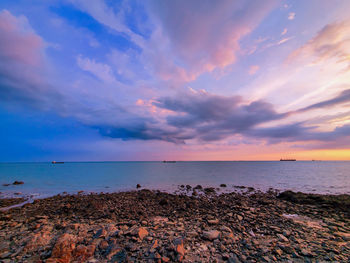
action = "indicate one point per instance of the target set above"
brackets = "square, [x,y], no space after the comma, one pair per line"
[46,179]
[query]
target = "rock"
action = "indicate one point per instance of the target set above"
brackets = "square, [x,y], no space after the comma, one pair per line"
[37,240]
[211,235]
[278,251]
[165,259]
[223,185]
[140,232]
[179,248]
[345,236]
[213,221]
[163,202]
[18,182]
[100,233]
[192,234]
[138,186]
[63,249]
[120,256]
[198,187]
[188,187]
[5,184]
[82,253]
[112,250]
[239,217]
[103,245]
[282,237]
[209,190]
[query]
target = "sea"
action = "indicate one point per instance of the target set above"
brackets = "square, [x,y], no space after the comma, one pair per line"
[47,179]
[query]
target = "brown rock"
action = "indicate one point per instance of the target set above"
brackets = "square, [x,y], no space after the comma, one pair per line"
[140,232]
[82,253]
[211,235]
[63,249]
[213,221]
[179,248]
[37,240]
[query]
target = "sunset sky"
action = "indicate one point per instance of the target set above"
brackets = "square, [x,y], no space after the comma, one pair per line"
[104,80]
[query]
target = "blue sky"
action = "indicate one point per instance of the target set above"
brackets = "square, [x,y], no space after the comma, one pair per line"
[188,80]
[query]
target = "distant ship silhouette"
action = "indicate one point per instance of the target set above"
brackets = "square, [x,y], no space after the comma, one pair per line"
[287,160]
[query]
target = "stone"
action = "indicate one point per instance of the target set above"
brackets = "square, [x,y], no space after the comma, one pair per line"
[100,233]
[82,253]
[112,250]
[223,185]
[179,248]
[37,240]
[138,186]
[18,182]
[120,257]
[282,237]
[63,249]
[213,221]
[211,235]
[140,232]
[278,251]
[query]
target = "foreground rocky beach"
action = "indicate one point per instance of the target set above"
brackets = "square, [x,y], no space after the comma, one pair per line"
[194,225]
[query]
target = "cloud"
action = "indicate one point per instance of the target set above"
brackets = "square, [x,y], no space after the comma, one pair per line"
[211,117]
[22,63]
[343,97]
[100,70]
[291,16]
[284,32]
[18,41]
[107,16]
[205,35]
[297,132]
[331,42]
[253,69]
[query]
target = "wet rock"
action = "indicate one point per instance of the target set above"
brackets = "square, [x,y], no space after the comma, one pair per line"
[138,186]
[209,190]
[198,187]
[17,182]
[223,185]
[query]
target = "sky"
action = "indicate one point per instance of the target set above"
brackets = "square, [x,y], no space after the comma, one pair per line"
[124,80]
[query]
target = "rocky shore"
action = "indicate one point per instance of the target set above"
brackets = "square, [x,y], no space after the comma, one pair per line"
[195,225]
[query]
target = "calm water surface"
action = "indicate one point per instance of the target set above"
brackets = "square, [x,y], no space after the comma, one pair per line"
[45,179]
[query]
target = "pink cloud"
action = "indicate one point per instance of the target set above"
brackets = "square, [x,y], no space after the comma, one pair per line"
[18,42]
[291,16]
[253,69]
[205,37]
[329,43]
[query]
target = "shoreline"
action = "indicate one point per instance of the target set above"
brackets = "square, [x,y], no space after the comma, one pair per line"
[191,226]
